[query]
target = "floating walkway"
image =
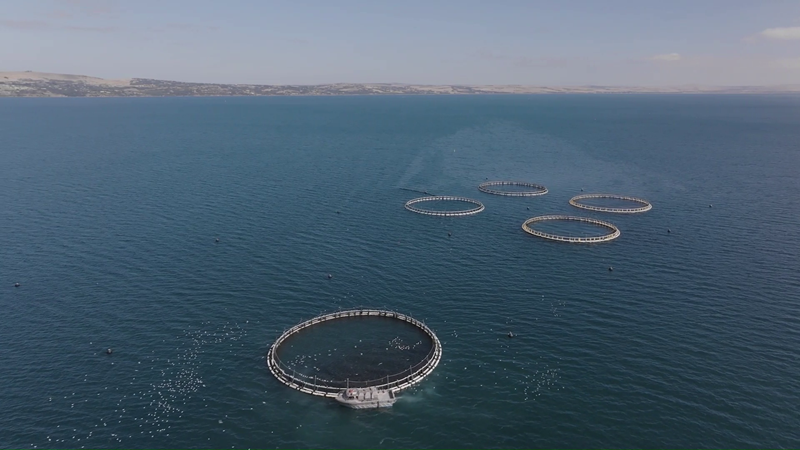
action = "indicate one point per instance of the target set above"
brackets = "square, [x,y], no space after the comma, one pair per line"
[487,188]
[331,388]
[440,198]
[645,205]
[572,239]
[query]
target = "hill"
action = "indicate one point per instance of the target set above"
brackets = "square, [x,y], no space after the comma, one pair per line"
[37,84]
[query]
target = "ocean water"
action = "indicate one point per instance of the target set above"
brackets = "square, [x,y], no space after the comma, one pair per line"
[109,210]
[356,349]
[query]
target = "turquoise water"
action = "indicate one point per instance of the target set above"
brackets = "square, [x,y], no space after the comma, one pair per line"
[111,207]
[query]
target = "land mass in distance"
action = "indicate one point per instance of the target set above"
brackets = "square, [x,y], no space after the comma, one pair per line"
[38,84]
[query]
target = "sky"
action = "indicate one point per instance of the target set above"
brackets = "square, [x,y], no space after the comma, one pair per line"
[527,42]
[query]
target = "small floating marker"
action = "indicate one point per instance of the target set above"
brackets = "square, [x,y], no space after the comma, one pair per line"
[109,351]
[511,335]
[17,285]
[610,269]
[338,212]
[581,189]
[216,240]
[528,208]
[449,234]
[710,205]
[669,231]
[330,276]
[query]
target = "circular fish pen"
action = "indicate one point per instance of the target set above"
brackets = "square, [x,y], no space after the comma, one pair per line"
[614,231]
[488,186]
[644,205]
[323,387]
[478,206]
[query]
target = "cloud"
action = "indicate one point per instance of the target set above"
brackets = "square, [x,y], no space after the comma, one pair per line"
[91,7]
[670,57]
[524,61]
[58,15]
[24,24]
[90,29]
[41,25]
[543,62]
[786,63]
[490,55]
[38,25]
[182,27]
[783,34]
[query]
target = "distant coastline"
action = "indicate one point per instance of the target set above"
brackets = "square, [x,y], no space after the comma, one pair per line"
[38,84]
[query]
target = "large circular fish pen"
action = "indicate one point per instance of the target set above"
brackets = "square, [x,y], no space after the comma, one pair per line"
[321,383]
[475,209]
[642,205]
[528,189]
[613,230]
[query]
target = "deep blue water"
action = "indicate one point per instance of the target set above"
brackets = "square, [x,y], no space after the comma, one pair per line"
[110,207]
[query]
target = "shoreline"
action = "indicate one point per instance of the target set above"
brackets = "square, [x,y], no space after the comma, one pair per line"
[422,94]
[45,85]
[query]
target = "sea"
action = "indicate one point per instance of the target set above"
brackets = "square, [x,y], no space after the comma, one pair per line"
[684,332]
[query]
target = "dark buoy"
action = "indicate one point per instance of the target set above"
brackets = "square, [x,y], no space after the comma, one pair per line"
[216,240]
[581,189]
[330,276]
[16,285]
[710,206]
[669,231]
[511,335]
[338,212]
[449,234]
[109,351]
[610,269]
[528,208]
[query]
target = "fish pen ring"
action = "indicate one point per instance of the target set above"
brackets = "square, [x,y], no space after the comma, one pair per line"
[333,388]
[487,188]
[644,204]
[614,231]
[444,213]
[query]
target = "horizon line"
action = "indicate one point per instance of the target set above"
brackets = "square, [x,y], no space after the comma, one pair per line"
[396,83]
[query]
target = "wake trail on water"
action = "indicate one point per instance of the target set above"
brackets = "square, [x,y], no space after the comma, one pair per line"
[417,190]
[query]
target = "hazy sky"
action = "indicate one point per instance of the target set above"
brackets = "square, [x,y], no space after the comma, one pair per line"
[558,42]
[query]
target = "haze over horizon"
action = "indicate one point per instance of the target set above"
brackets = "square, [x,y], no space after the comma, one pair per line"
[618,42]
